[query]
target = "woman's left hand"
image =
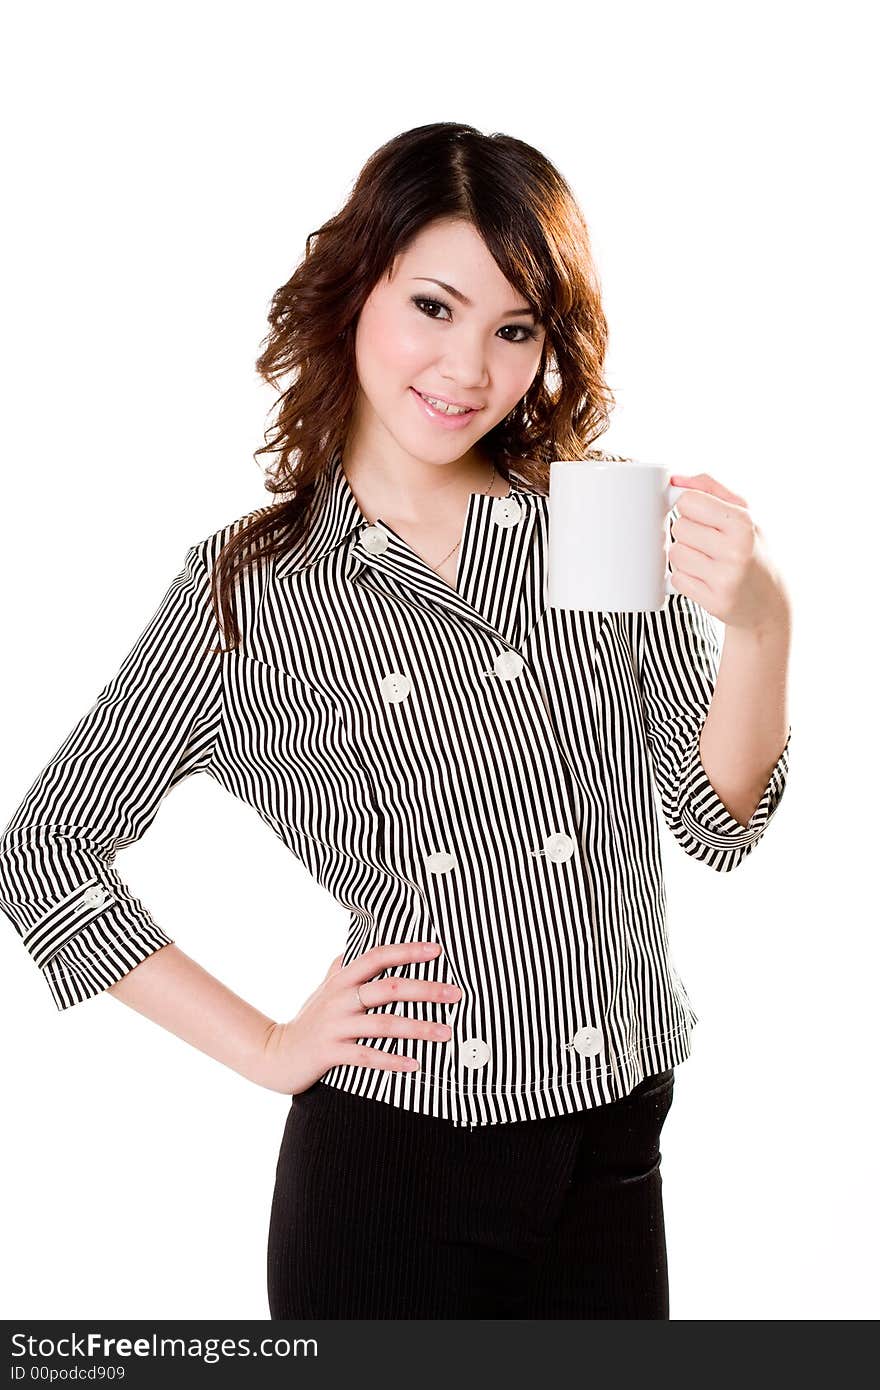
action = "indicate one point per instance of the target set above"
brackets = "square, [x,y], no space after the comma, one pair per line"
[719,557]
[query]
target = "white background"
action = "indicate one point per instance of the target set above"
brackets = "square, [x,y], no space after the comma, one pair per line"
[164,164]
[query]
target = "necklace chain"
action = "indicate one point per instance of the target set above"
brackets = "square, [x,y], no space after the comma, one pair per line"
[435,568]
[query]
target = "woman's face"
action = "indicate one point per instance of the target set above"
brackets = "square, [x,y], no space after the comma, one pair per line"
[415,337]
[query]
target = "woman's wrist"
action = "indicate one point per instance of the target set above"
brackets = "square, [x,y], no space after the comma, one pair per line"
[270,1067]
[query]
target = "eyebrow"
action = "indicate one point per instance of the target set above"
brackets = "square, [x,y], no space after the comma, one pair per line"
[463,299]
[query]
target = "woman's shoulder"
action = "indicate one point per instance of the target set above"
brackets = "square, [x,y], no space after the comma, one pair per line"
[527,475]
[208,548]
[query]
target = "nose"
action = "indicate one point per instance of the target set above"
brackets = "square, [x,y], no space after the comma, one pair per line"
[464,364]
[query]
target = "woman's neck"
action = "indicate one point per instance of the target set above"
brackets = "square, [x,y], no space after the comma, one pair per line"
[421,497]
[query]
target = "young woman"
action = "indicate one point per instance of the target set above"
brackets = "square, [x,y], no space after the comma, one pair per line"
[479,1083]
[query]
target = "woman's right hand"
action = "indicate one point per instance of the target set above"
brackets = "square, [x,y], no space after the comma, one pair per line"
[325,1031]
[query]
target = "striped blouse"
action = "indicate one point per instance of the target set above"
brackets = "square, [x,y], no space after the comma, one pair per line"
[461,764]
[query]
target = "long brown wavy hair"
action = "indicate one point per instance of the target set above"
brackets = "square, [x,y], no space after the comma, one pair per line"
[528,218]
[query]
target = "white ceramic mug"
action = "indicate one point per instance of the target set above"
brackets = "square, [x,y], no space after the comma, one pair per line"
[608,535]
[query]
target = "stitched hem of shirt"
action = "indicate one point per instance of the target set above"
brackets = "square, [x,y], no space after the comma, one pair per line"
[71,973]
[591,1075]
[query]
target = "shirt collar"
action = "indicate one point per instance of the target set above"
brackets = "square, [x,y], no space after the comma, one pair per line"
[336,515]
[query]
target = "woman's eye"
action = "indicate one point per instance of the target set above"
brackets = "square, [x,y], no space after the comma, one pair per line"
[432,304]
[419,300]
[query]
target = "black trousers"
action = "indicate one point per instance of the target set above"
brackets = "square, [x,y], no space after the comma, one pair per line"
[380,1212]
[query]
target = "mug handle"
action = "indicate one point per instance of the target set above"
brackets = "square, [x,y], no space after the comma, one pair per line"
[672,494]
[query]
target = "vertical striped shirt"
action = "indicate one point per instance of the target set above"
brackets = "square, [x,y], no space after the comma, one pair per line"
[461,764]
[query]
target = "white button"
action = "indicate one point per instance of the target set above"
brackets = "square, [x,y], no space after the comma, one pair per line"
[506,511]
[374,539]
[587,1041]
[475,1052]
[93,897]
[559,846]
[508,665]
[395,687]
[440,862]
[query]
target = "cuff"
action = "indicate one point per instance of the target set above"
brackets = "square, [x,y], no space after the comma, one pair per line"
[708,819]
[90,939]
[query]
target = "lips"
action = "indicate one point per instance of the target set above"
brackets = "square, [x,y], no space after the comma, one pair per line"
[441,419]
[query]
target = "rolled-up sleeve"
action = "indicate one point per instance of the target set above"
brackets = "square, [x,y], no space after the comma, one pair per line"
[153,724]
[677,656]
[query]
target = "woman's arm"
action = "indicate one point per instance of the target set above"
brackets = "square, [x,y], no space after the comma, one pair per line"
[676,658]
[747,726]
[174,991]
[154,724]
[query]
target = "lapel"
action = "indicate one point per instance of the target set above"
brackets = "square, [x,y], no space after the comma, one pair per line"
[501,577]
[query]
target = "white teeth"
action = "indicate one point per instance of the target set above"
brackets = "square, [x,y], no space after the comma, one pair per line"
[447,409]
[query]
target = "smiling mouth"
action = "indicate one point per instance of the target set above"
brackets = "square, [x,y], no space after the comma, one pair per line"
[444,407]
